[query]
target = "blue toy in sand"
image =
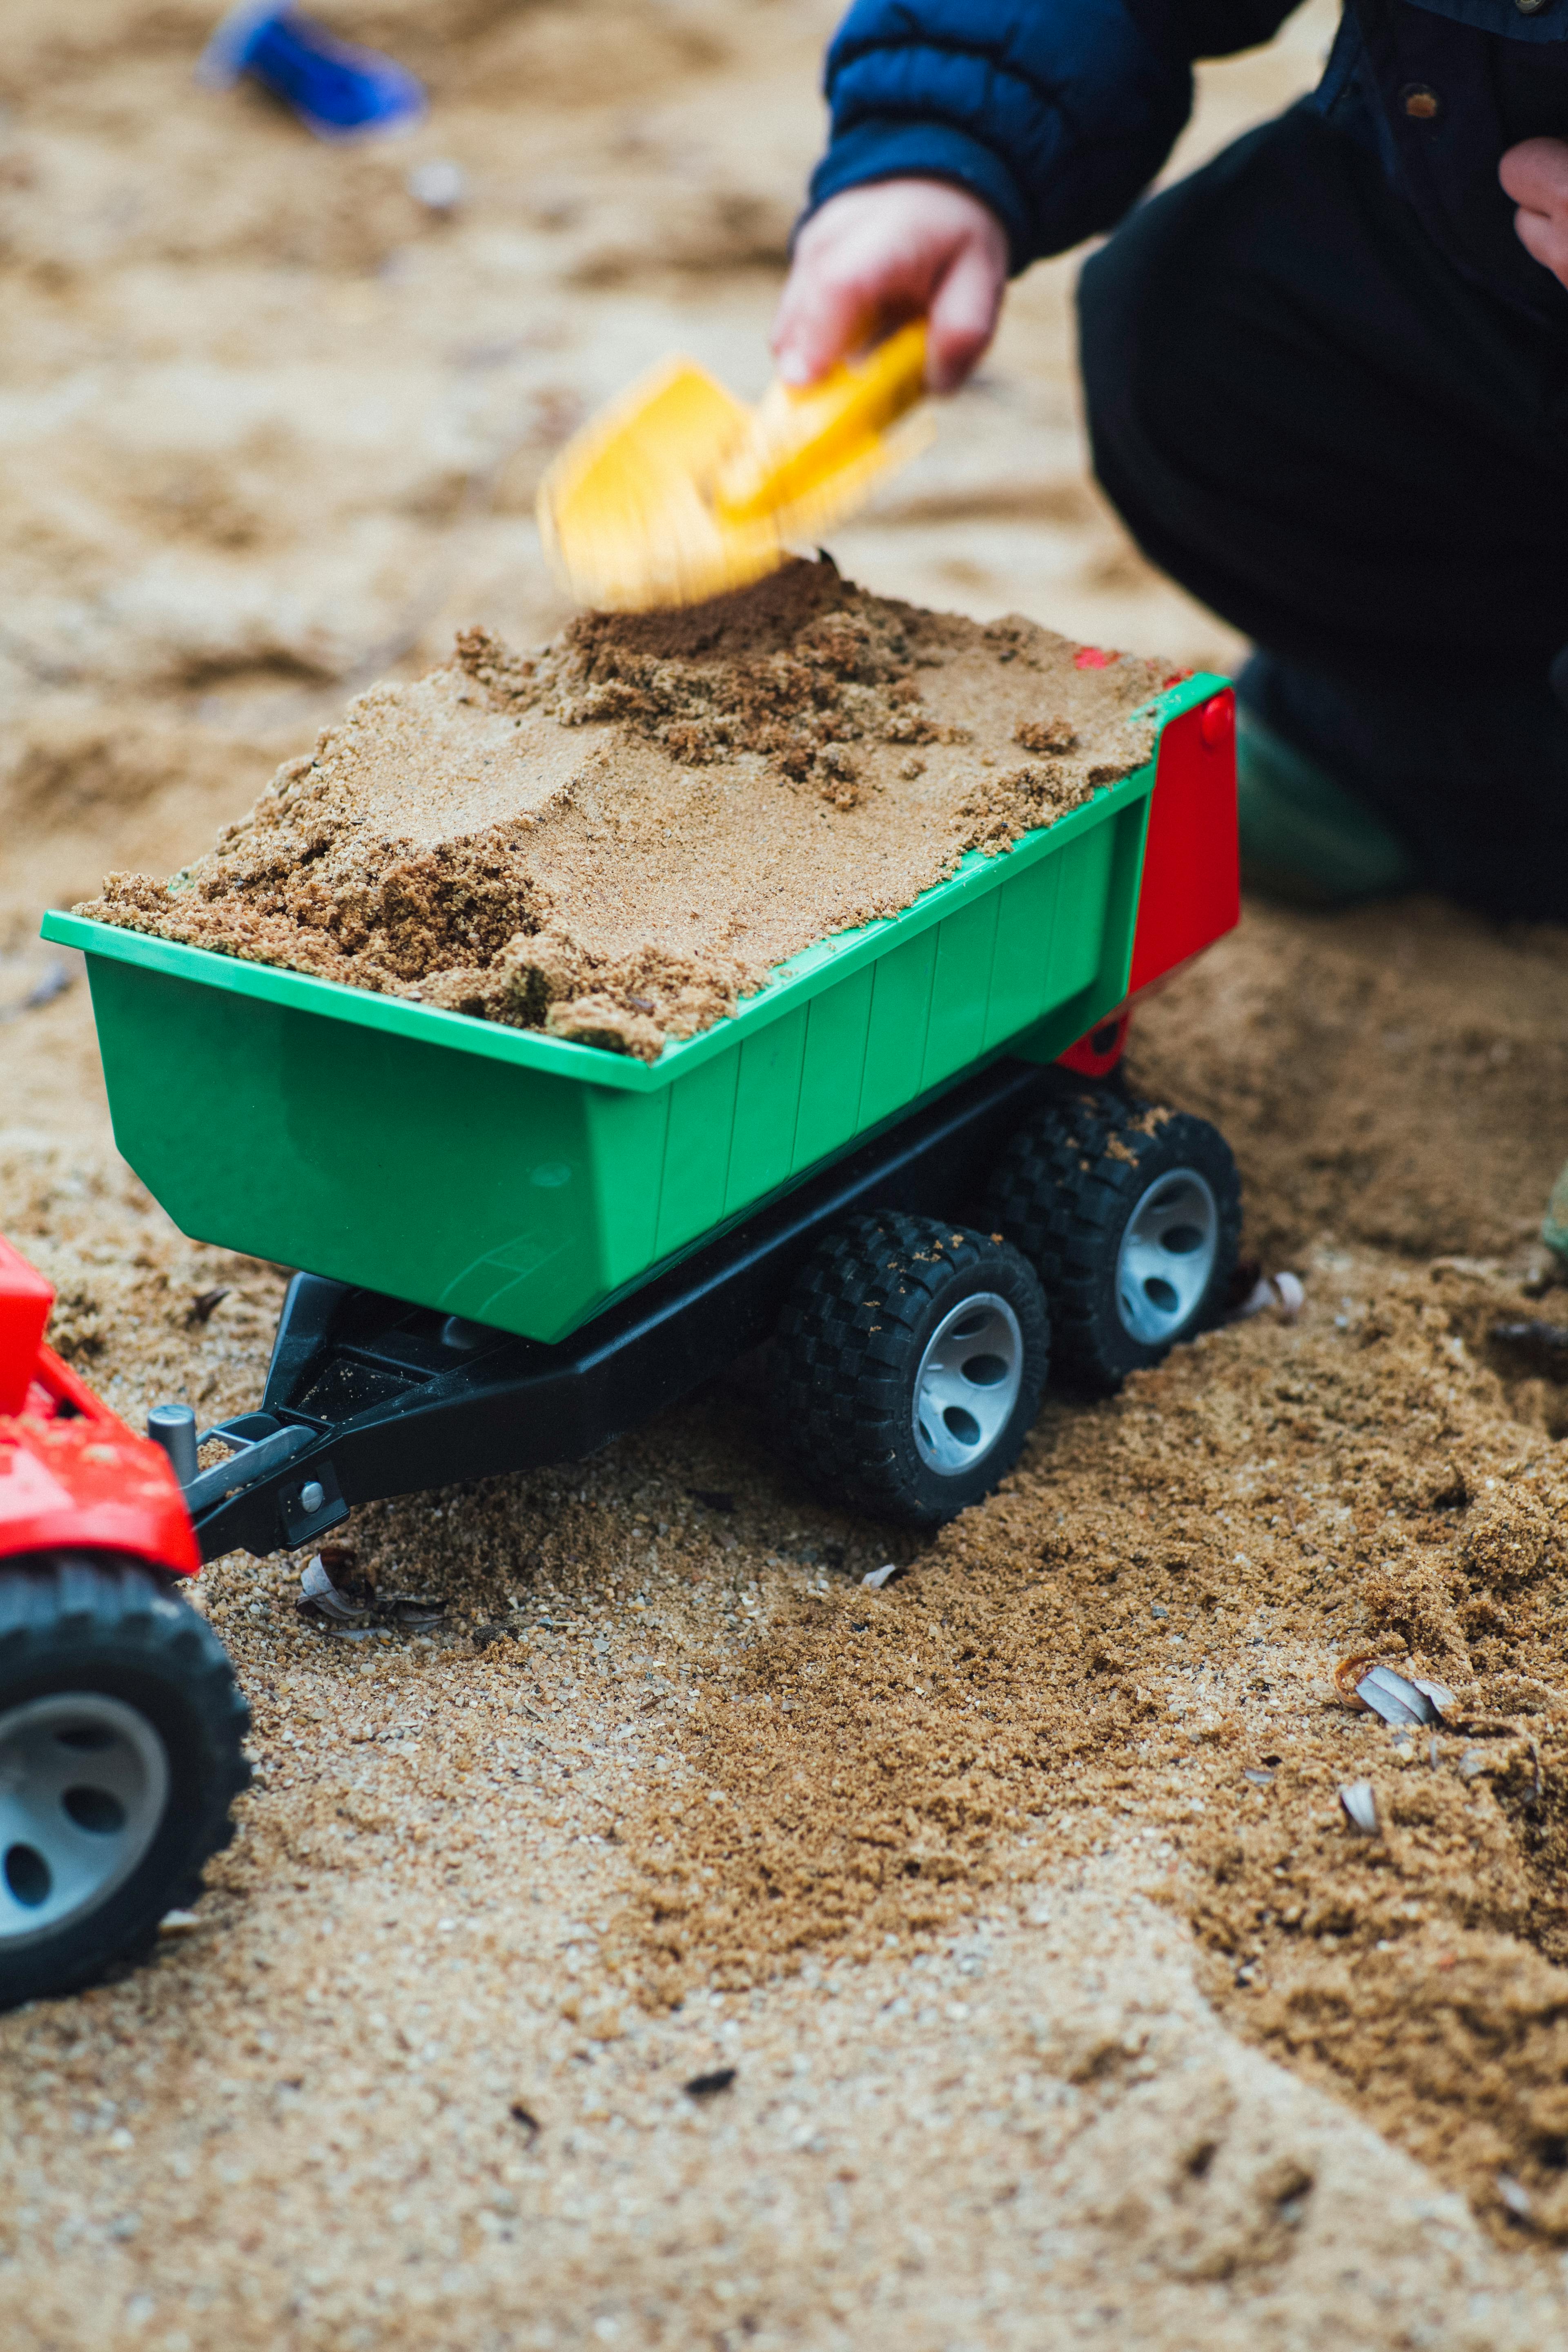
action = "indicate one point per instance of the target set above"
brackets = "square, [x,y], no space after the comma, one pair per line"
[338,91]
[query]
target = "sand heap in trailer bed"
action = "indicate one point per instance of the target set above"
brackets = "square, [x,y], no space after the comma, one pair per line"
[616,837]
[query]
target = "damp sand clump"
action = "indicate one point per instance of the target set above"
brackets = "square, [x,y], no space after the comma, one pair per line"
[616,837]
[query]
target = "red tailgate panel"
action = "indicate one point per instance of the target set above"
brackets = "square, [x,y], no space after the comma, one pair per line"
[1191,872]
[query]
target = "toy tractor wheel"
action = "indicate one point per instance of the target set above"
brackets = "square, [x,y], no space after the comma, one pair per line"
[121,1732]
[909,1367]
[1132,1217]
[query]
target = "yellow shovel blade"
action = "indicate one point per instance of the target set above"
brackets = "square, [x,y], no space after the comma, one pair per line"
[621,511]
[679,491]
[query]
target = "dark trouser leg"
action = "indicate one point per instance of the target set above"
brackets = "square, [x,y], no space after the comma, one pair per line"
[1314,424]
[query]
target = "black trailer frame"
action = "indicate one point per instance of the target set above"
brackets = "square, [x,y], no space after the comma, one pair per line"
[369,1397]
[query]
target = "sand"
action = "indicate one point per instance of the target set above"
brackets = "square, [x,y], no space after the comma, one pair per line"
[616,837]
[998,1887]
[1158,2053]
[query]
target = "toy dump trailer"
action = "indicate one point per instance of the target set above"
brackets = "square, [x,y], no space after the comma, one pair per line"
[516,1246]
[120,1724]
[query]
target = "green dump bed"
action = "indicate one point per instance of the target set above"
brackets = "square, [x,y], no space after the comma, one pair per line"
[517,1180]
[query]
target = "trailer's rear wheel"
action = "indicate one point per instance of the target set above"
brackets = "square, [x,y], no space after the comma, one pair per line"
[1132,1218]
[910,1364]
[121,1732]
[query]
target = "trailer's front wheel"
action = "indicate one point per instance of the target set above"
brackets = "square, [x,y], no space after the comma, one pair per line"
[120,1731]
[910,1365]
[1132,1217]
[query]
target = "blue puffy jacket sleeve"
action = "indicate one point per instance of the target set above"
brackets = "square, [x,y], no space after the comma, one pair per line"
[1056,113]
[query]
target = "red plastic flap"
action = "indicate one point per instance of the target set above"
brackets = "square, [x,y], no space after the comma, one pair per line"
[25,1299]
[1096,1056]
[66,1395]
[1191,870]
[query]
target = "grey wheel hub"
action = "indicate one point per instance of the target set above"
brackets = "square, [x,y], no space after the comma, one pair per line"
[1166,1261]
[967,1383]
[84,1781]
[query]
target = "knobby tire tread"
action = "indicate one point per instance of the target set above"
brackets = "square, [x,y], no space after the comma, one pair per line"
[1060,1193]
[844,1345]
[99,1611]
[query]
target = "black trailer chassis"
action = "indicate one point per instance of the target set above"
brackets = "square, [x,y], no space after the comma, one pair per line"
[369,1397]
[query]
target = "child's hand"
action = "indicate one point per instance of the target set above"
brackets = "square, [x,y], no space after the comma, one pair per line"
[876,255]
[1535,174]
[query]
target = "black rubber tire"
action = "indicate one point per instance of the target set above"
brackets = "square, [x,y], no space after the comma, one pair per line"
[850,1347]
[96,1623]
[1064,1192]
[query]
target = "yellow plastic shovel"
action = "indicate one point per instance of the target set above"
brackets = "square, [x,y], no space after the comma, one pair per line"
[679,491]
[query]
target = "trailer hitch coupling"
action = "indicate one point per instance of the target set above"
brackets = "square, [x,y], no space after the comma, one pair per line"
[261,1446]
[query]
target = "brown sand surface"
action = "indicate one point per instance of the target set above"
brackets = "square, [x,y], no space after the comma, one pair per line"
[616,837]
[1064,2007]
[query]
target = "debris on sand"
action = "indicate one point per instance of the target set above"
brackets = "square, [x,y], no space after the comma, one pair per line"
[58,975]
[1398,1698]
[1285,1293]
[334,1595]
[1358,1801]
[708,2086]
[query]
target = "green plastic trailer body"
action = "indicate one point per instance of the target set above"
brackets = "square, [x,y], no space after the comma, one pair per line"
[519,1181]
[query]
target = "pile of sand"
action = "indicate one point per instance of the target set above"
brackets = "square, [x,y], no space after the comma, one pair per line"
[616,837]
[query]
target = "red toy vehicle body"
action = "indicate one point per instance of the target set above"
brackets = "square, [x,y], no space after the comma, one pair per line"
[120,1724]
[71,1473]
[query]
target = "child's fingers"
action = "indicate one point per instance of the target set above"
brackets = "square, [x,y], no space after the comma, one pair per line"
[1535,174]
[890,251]
[1544,236]
[835,285]
[821,315]
[962,317]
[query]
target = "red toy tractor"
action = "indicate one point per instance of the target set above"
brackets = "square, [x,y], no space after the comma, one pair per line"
[121,1722]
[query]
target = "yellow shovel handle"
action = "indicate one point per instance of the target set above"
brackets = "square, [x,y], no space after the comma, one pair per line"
[873,393]
[798,438]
